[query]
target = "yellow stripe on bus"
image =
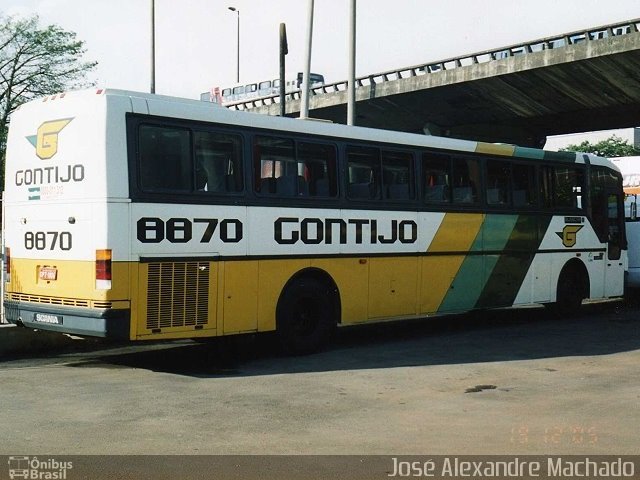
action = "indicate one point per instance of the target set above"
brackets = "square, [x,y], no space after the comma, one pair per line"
[495,149]
[457,233]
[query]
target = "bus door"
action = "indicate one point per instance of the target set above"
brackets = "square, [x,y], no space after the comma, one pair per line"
[607,219]
[608,222]
[616,242]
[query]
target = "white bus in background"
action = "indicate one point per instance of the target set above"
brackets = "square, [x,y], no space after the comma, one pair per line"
[264,88]
[630,168]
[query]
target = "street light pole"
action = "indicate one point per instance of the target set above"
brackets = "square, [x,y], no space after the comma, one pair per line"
[234,9]
[304,101]
[351,91]
[153,46]
[284,50]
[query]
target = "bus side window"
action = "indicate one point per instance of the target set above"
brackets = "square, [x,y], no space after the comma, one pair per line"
[270,156]
[524,185]
[498,182]
[317,169]
[568,187]
[397,175]
[218,162]
[363,173]
[466,178]
[436,184]
[546,186]
[165,162]
[276,171]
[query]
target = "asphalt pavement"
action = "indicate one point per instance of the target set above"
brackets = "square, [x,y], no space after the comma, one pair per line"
[501,382]
[25,341]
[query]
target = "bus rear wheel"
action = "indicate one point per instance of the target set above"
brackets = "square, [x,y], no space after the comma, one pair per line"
[305,316]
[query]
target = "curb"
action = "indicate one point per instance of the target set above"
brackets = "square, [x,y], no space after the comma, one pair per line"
[20,340]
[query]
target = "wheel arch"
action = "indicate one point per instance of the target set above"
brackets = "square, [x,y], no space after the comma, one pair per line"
[320,275]
[579,271]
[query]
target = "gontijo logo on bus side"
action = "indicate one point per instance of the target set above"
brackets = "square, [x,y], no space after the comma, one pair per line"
[46,138]
[569,235]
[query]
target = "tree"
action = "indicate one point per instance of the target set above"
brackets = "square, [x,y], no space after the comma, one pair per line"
[613,146]
[35,62]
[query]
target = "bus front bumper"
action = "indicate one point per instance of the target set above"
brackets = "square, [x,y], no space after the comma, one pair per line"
[90,322]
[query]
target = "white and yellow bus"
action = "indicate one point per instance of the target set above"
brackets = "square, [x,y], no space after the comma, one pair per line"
[144,217]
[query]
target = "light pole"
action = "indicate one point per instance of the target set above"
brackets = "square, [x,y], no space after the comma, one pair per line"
[234,9]
[153,47]
[351,91]
[304,101]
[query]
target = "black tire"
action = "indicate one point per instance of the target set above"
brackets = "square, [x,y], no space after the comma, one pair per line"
[306,316]
[570,293]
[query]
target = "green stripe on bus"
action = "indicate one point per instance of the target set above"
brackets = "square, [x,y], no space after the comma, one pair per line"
[525,152]
[510,269]
[464,290]
[497,230]
[559,156]
[469,282]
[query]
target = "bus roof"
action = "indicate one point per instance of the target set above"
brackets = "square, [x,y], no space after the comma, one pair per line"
[175,107]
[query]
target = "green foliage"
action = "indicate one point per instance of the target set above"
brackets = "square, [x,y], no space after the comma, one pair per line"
[613,146]
[35,62]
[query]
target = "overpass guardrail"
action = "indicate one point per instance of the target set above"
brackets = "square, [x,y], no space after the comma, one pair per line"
[559,41]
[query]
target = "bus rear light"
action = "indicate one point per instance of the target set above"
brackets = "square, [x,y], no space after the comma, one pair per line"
[7,264]
[103,269]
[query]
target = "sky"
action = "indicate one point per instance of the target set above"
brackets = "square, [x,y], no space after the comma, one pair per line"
[196,39]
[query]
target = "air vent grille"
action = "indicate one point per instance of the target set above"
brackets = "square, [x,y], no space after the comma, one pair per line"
[67,302]
[177,294]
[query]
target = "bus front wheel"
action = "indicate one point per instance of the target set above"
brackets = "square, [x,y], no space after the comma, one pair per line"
[305,316]
[573,287]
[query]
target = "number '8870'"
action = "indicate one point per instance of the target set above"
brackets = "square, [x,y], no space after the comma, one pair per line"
[47,240]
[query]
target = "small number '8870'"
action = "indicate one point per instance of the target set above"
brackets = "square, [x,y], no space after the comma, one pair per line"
[47,240]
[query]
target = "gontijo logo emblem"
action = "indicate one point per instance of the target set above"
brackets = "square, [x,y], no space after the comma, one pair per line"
[569,235]
[46,138]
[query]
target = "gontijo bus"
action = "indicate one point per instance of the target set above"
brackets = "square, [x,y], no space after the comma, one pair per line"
[147,217]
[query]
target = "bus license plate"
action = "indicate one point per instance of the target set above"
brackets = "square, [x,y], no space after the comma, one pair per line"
[47,318]
[48,273]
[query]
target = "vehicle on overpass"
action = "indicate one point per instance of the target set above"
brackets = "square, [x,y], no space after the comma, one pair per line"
[144,217]
[265,88]
[630,168]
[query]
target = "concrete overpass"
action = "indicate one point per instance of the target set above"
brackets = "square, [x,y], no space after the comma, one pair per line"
[574,82]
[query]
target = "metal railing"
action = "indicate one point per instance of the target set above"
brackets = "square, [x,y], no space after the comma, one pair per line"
[566,39]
